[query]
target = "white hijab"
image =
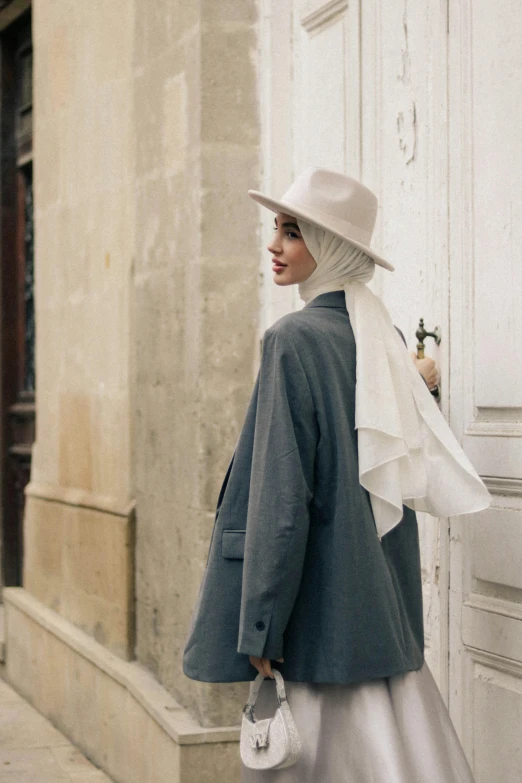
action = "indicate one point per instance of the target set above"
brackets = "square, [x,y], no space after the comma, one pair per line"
[407,452]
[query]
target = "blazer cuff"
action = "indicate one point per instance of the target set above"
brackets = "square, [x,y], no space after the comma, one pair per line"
[254,641]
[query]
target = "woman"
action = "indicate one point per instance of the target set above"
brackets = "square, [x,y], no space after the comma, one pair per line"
[314,559]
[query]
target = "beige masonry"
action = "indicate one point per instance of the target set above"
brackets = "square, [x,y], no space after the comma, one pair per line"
[114,711]
[147,308]
[78,560]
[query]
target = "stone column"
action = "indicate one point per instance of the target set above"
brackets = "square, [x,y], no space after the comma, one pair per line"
[195,308]
[79,524]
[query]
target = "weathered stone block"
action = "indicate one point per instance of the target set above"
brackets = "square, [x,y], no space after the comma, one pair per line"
[80,562]
[229,85]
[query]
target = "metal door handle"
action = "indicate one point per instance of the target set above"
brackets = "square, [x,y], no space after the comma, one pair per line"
[421,335]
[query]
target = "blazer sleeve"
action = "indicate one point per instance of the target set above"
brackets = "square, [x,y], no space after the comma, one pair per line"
[281,488]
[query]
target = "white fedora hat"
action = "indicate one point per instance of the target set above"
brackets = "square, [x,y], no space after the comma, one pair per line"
[333,201]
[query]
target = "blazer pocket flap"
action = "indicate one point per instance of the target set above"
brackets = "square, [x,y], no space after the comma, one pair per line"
[233,544]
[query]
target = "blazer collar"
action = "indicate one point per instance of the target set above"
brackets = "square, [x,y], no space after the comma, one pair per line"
[329,299]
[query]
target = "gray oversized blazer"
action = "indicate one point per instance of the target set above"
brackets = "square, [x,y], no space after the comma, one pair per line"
[295,566]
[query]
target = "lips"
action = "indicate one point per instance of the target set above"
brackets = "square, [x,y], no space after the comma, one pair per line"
[278,264]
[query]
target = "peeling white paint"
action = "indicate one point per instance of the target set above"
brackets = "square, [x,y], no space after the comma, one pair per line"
[405,76]
[407,133]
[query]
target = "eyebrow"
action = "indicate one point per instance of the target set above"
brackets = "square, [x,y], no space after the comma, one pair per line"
[288,225]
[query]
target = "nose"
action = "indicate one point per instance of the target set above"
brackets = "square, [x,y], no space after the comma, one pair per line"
[274,246]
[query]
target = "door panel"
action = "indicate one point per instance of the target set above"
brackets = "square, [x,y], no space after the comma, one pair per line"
[496,722]
[326,84]
[485,204]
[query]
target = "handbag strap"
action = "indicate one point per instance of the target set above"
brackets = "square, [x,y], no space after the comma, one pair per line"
[280,687]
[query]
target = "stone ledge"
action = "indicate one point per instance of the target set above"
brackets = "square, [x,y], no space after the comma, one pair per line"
[146,690]
[72,496]
[79,562]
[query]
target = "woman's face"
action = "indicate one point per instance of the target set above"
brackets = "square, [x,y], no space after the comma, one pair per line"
[291,259]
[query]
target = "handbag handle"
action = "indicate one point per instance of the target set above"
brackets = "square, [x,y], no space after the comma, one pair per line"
[248,709]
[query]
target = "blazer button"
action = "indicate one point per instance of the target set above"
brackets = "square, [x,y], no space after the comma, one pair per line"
[260,625]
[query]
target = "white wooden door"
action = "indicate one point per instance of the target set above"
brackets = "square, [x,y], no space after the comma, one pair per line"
[331,96]
[423,102]
[485,205]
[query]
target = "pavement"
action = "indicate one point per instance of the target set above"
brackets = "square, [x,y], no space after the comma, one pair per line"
[33,751]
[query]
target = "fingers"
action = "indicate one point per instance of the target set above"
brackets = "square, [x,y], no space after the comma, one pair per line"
[267,668]
[428,369]
[260,664]
[263,665]
[433,378]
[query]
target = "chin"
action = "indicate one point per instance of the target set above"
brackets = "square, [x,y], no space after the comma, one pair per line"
[278,281]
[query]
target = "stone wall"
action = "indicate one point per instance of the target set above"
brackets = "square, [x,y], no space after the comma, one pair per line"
[195,308]
[79,516]
[146,141]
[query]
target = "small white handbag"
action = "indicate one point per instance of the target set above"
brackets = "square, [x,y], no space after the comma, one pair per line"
[271,743]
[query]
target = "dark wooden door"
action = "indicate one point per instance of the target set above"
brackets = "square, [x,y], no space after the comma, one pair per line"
[17,401]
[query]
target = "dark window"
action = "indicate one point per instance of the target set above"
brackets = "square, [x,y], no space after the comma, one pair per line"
[17,338]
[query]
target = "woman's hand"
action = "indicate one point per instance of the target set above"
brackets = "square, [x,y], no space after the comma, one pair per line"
[263,665]
[427,368]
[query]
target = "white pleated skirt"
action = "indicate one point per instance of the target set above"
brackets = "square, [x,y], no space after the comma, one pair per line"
[391,730]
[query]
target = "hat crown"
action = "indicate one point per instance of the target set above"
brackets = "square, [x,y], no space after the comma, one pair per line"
[336,195]
[336,202]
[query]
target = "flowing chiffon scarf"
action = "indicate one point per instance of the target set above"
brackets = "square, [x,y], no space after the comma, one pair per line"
[407,452]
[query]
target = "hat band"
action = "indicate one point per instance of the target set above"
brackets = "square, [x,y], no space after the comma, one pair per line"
[338,224]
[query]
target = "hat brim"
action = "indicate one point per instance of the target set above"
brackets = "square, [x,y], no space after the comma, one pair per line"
[331,224]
